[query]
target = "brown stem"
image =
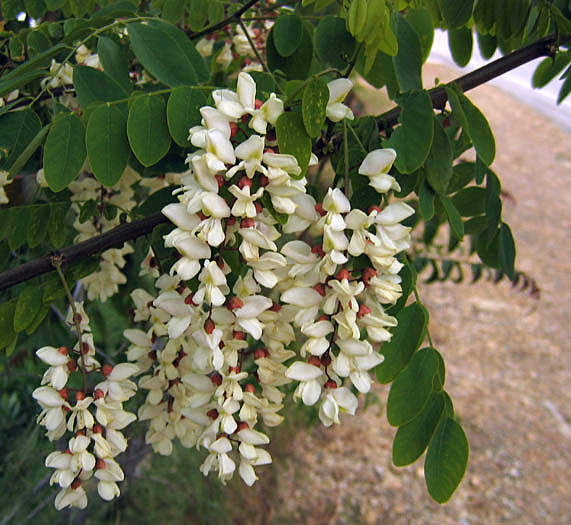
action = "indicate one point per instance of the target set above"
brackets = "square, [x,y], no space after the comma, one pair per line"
[234,17]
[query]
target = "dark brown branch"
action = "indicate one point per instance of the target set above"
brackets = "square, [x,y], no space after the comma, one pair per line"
[546,46]
[232,18]
[112,239]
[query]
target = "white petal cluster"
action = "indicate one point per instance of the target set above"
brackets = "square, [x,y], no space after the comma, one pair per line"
[243,313]
[4,181]
[94,419]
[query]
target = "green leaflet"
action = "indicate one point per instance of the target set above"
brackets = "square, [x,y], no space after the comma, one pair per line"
[147,129]
[446,460]
[107,144]
[314,105]
[64,152]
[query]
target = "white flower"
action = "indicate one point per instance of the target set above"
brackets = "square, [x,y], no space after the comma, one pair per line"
[376,166]
[117,387]
[204,46]
[213,285]
[244,205]
[337,400]
[4,181]
[225,58]
[338,90]
[269,112]
[219,459]
[58,372]
[250,151]
[247,315]
[70,497]
[309,388]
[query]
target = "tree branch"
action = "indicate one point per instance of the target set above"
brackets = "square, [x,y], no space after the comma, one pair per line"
[233,17]
[546,46]
[112,239]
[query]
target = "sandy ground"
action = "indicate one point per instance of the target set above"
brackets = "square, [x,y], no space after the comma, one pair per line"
[507,372]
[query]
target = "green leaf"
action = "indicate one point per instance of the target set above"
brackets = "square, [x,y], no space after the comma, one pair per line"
[413,138]
[382,73]
[293,139]
[412,387]
[38,319]
[147,129]
[107,145]
[412,439]
[446,460]
[29,150]
[421,21]
[462,174]
[27,306]
[93,85]
[157,201]
[549,68]
[406,338]
[426,198]
[173,11]
[198,14]
[314,105]
[7,323]
[334,45]
[438,164]
[453,217]
[113,57]
[35,8]
[115,10]
[487,44]
[12,8]
[460,42]
[507,250]
[57,229]
[456,13]
[183,112]
[87,211]
[408,60]
[38,42]
[297,65]
[480,132]
[288,31]
[37,227]
[17,130]
[64,153]
[167,53]
[470,201]
[566,87]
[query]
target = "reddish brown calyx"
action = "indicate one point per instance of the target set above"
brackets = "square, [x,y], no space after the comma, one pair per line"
[97,429]
[106,370]
[100,464]
[250,388]
[241,336]
[258,103]
[212,414]
[63,350]
[189,299]
[343,274]
[247,222]
[315,361]
[276,307]
[216,379]
[241,426]
[233,129]
[368,274]
[71,365]
[326,359]
[374,208]
[234,369]
[233,303]
[319,209]
[63,393]
[245,181]
[220,180]
[363,311]
[260,353]
[209,326]
[76,483]
[320,289]
[318,250]
[79,396]
[330,384]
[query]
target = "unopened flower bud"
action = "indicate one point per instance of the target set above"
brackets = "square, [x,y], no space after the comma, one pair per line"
[319,209]
[245,181]
[368,273]
[241,336]
[76,483]
[97,429]
[98,394]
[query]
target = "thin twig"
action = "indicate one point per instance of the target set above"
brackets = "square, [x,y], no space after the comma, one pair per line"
[232,18]
[57,262]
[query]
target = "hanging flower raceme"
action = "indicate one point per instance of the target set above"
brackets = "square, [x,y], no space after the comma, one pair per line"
[93,415]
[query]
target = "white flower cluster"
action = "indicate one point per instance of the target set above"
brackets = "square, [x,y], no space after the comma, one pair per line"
[245,313]
[94,417]
[105,282]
